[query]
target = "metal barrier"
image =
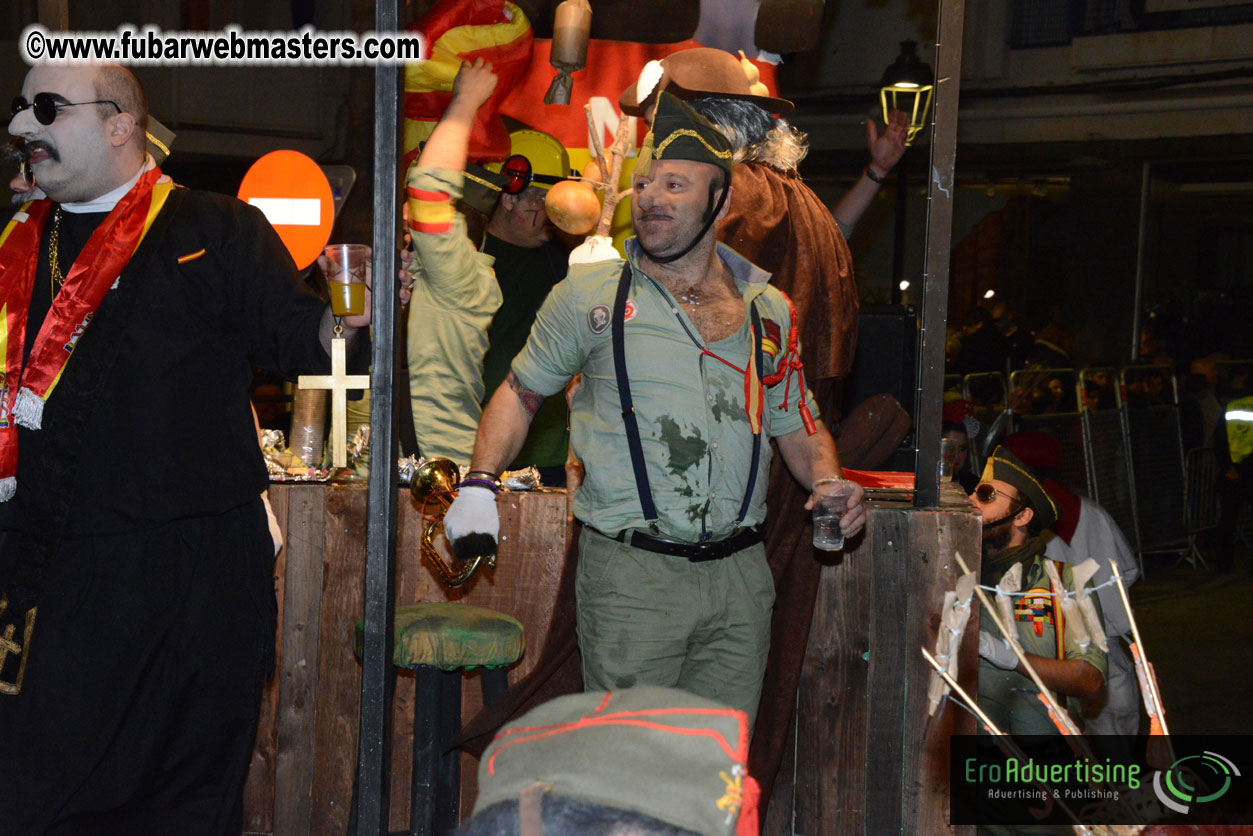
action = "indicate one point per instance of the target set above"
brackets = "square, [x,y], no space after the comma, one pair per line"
[1155,446]
[1037,400]
[1201,506]
[1202,498]
[1121,445]
[1106,449]
[987,394]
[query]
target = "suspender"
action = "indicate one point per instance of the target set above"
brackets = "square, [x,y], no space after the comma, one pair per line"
[628,408]
[630,423]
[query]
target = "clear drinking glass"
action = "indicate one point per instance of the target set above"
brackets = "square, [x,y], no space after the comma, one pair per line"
[346,277]
[832,503]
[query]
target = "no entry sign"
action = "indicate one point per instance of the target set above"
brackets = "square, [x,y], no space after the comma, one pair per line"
[295,196]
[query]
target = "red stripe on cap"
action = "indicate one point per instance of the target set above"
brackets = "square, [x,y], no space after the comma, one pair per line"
[604,721]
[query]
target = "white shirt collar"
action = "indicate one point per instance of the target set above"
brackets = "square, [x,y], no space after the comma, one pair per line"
[108,200]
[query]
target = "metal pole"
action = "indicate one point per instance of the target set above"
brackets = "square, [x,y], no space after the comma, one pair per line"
[940,184]
[376,659]
[1141,238]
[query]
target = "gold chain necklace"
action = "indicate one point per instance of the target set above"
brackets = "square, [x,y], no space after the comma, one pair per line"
[57,278]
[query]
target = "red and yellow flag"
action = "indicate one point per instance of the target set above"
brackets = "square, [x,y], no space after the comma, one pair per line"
[462,30]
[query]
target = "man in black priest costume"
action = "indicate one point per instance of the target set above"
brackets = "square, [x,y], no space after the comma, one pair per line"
[137,603]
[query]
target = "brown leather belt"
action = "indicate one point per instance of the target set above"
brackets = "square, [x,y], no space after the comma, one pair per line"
[695,552]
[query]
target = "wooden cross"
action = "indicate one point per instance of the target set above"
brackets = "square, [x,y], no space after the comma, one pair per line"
[9,646]
[339,382]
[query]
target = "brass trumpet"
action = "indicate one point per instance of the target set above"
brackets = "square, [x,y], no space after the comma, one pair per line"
[436,481]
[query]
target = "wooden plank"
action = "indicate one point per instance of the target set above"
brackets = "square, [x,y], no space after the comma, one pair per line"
[342,560]
[926,774]
[871,609]
[831,719]
[891,597]
[535,532]
[298,671]
[259,786]
[869,762]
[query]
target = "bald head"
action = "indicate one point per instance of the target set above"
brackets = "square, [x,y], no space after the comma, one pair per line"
[118,84]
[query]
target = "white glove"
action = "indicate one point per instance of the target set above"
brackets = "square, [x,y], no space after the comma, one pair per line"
[473,512]
[997,651]
[593,249]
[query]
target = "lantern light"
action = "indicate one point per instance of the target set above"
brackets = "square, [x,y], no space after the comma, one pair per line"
[907,86]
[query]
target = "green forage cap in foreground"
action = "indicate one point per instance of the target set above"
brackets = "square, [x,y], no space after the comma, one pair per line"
[668,754]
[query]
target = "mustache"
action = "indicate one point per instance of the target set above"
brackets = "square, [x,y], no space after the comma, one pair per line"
[39,145]
[19,150]
[14,152]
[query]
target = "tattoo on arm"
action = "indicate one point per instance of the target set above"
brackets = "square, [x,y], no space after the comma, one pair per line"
[531,401]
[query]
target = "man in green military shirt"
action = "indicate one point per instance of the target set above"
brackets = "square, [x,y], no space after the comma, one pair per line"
[1016,510]
[690,365]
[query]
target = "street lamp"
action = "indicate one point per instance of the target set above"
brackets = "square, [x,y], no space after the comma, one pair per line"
[907,86]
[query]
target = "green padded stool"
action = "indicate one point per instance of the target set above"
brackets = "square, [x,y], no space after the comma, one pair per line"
[439,640]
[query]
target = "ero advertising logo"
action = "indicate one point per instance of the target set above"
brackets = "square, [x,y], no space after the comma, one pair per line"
[1180,786]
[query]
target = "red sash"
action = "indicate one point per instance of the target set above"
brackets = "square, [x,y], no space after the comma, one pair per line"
[23,390]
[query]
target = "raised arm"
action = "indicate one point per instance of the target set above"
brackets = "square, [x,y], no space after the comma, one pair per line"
[449,141]
[885,151]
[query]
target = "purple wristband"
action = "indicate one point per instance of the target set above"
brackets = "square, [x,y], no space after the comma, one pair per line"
[484,483]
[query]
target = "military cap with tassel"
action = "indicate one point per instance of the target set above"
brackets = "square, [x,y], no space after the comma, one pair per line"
[680,133]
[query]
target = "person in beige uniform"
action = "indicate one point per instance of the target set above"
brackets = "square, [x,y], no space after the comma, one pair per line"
[455,294]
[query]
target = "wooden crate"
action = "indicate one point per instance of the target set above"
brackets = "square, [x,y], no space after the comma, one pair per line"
[300,780]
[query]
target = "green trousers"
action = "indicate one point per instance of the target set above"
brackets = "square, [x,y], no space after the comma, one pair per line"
[655,619]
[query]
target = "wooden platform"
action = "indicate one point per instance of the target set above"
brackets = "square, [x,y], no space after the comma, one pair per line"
[300,780]
[871,764]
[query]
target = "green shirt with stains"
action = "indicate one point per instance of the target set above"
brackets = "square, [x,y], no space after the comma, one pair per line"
[694,428]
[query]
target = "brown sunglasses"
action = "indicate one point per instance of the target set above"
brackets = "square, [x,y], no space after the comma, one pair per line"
[985,492]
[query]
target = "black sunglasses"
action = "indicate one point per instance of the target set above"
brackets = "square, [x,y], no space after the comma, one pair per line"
[46,106]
